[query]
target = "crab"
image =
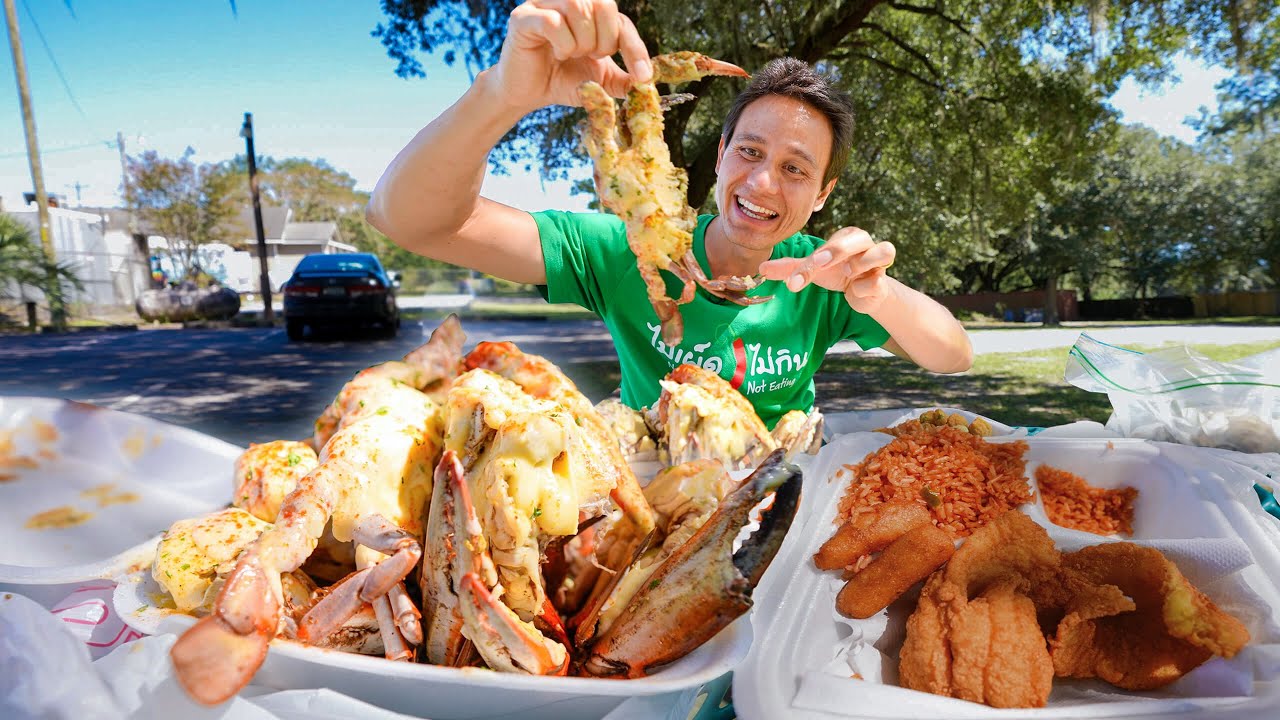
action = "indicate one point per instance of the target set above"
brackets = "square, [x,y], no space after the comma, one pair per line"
[698,580]
[194,557]
[475,493]
[369,487]
[636,180]
[538,461]
[527,464]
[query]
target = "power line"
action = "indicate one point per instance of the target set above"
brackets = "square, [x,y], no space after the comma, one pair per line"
[49,51]
[109,144]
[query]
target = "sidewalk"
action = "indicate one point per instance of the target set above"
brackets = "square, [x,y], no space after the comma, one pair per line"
[1033,338]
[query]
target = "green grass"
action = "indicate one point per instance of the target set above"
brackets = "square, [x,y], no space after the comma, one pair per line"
[1023,388]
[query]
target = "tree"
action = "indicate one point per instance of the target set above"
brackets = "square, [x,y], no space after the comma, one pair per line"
[23,262]
[1247,40]
[918,42]
[189,205]
[313,189]
[972,115]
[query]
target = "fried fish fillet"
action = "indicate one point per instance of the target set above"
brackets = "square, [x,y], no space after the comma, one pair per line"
[975,633]
[1168,629]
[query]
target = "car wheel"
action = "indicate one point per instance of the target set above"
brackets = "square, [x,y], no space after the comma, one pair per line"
[294,328]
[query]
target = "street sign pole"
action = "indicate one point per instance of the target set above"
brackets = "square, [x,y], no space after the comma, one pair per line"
[264,278]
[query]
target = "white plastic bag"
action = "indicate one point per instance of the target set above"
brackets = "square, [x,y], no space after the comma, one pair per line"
[1177,395]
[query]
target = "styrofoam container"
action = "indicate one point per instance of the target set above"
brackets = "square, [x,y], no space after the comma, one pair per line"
[854,421]
[177,473]
[443,693]
[129,477]
[1195,507]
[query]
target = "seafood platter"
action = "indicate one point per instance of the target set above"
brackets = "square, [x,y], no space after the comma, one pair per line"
[948,572]
[465,534]
[471,534]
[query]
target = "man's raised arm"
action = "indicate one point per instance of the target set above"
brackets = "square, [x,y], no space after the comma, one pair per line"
[428,199]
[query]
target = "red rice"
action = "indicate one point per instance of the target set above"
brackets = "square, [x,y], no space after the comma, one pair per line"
[1071,502]
[975,481]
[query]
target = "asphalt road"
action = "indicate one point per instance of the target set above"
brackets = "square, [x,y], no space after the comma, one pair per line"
[243,384]
[253,385]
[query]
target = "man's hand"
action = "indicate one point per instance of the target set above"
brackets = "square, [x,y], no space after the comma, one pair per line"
[849,262]
[552,46]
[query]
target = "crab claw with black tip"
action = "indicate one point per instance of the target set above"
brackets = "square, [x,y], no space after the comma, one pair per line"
[704,585]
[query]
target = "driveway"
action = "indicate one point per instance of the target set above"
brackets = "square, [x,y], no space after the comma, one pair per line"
[253,385]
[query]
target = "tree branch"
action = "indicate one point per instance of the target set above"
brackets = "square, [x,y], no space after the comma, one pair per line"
[819,44]
[901,71]
[924,60]
[935,12]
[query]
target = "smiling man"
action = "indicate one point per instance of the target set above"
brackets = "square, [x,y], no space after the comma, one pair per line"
[785,142]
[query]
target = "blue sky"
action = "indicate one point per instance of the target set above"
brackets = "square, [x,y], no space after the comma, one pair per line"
[174,74]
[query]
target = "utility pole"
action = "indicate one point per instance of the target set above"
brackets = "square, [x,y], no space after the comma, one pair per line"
[124,175]
[53,289]
[264,279]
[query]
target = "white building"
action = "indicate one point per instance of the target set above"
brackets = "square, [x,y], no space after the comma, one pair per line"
[108,257]
[112,253]
[287,242]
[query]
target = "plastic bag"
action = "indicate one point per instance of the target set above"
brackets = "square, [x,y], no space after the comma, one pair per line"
[1177,395]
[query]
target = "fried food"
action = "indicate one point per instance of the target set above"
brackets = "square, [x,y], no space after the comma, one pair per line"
[975,634]
[1171,629]
[1117,611]
[870,533]
[908,560]
[998,653]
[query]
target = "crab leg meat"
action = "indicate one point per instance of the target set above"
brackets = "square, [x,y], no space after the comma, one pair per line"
[371,584]
[636,179]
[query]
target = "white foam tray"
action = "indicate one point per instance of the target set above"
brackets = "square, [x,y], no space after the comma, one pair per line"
[1192,505]
[83,454]
[178,473]
[854,421]
[444,693]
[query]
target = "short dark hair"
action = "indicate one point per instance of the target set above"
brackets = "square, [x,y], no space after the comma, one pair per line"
[798,79]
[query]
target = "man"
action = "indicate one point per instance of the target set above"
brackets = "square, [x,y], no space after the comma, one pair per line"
[784,144]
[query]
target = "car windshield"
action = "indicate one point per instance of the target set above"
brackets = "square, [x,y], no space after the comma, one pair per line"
[336,263]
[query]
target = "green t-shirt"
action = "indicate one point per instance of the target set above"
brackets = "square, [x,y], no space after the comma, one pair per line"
[769,352]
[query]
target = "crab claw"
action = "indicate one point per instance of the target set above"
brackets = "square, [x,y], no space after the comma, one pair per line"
[468,606]
[704,585]
[687,66]
[215,658]
[733,288]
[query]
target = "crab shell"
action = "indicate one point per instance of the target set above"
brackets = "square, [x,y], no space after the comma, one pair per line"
[705,584]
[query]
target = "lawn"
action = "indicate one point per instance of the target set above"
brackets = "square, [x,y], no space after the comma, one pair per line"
[1023,388]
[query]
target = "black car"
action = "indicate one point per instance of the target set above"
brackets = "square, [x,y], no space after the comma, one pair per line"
[340,290]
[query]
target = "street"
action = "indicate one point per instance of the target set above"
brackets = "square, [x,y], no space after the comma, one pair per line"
[245,384]
[252,385]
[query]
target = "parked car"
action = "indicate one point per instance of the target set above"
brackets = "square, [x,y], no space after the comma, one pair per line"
[340,290]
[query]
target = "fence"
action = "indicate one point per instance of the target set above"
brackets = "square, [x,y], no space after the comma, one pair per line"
[1027,306]
[1265,302]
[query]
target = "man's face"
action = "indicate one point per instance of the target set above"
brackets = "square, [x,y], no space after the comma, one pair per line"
[769,174]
